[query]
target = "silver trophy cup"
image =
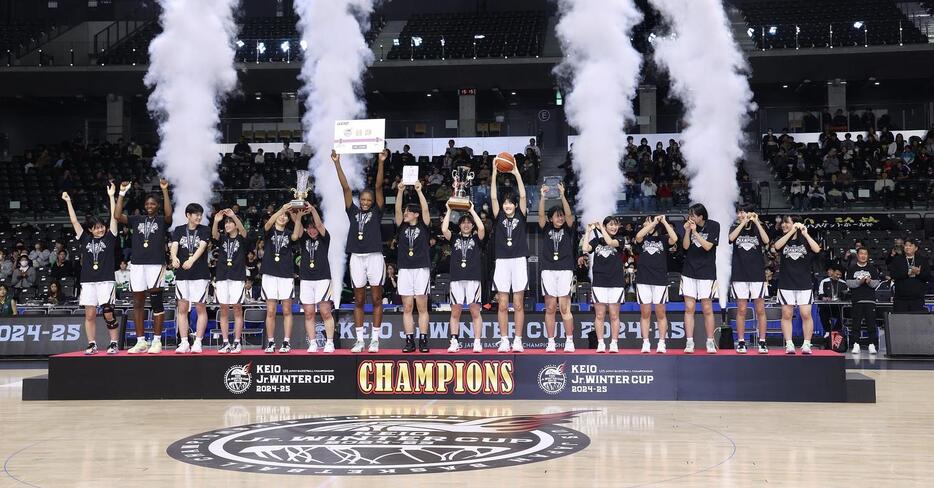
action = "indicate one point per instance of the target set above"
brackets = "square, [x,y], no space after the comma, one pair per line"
[301,189]
[462,178]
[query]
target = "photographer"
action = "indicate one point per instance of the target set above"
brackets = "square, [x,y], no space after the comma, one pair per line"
[910,273]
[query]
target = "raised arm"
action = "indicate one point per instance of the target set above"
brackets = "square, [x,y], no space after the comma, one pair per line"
[780,243]
[118,211]
[166,202]
[71,215]
[523,201]
[111,191]
[426,216]
[446,222]
[494,200]
[815,247]
[297,223]
[271,221]
[734,234]
[400,191]
[689,227]
[348,195]
[380,176]
[478,223]
[568,215]
[705,244]
[316,218]
[763,234]
[585,239]
[541,208]
[215,234]
[610,241]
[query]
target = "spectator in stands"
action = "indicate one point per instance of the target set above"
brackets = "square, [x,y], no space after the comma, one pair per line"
[450,154]
[122,277]
[910,273]
[24,276]
[260,157]
[287,153]
[834,191]
[391,287]
[7,302]
[54,295]
[40,255]
[533,148]
[62,268]
[816,195]
[242,150]
[252,293]
[252,263]
[831,162]
[649,190]
[134,149]
[6,267]
[257,181]
[885,188]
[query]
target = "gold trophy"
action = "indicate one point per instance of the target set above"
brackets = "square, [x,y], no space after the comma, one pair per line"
[462,178]
[301,189]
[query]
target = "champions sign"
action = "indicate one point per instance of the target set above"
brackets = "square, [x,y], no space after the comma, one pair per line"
[436,377]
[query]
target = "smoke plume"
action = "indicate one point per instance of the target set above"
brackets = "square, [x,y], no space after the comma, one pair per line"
[603,70]
[191,72]
[709,76]
[336,56]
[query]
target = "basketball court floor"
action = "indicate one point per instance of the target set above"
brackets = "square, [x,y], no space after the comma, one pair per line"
[686,444]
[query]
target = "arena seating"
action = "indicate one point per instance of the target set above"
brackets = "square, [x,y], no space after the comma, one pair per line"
[505,34]
[15,37]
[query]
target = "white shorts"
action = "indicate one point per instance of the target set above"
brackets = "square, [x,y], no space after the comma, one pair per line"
[97,293]
[698,289]
[511,275]
[749,290]
[145,277]
[465,292]
[278,288]
[556,283]
[314,292]
[367,269]
[229,292]
[795,297]
[602,294]
[651,294]
[413,282]
[192,291]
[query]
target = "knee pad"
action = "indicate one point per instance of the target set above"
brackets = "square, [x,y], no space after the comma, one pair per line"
[112,321]
[155,298]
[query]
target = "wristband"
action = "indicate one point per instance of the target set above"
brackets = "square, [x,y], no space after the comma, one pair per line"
[124,192]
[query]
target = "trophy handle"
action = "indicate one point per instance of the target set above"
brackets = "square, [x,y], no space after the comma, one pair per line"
[454,174]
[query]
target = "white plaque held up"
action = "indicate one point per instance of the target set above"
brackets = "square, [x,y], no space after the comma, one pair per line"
[409,175]
[359,136]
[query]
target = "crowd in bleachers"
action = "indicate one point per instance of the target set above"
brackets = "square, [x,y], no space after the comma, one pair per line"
[471,35]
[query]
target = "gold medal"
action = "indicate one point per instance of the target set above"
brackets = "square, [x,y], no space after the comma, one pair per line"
[556,256]
[276,258]
[145,243]
[509,242]
[311,264]
[360,236]
[411,252]
[229,263]
[95,266]
[463,264]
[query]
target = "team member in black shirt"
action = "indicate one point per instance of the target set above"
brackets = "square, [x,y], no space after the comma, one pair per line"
[511,250]
[97,247]
[315,274]
[607,278]
[279,272]
[795,287]
[910,274]
[466,273]
[652,278]
[749,239]
[414,264]
[230,275]
[862,278]
[147,262]
[557,261]
[699,274]
[188,254]
[365,246]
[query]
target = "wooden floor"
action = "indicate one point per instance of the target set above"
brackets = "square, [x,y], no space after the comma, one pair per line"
[123,443]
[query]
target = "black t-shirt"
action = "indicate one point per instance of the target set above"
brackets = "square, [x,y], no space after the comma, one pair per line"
[652,267]
[97,257]
[794,271]
[278,259]
[607,265]
[188,241]
[412,246]
[314,263]
[863,292]
[466,258]
[510,239]
[698,263]
[558,245]
[231,258]
[365,235]
[748,257]
[148,239]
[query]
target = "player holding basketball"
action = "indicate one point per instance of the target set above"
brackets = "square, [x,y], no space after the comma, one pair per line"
[147,261]
[511,250]
[558,261]
[466,273]
[279,272]
[98,286]
[608,276]
[749,239]
[315,273]
[412,257]
[188,254]
[797,248]
[699,275]
[230,275]
[365,246]
[652,277]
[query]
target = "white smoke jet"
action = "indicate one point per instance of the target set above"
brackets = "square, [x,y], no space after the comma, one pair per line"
[709,76]
[336,56]
[603,70]
[191,71]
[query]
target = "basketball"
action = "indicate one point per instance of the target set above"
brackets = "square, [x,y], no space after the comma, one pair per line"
[504,162]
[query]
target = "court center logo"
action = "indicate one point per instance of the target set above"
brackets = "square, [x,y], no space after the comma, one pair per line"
[551,379]
[238,378]
[383,444]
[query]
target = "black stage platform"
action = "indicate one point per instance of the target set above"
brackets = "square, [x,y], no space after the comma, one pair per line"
[532,375]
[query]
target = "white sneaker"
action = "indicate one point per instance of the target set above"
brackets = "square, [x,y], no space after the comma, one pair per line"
[646,347]
[183,347]
[270,347]
[358,346]
[789,347]
[225,349]
[569,345]
[614,348]
[711,347]
[196,347]
[477,347]
[806,348]
[329,347]
[517,345]
[374,344]
[856,348]
[551,346]
[503,345]
[286,347]
[689,346]
[661,348]
[872,349]
[312,347]
[601,347]
[141,346]
[455,346]
[236,348]
[155,347]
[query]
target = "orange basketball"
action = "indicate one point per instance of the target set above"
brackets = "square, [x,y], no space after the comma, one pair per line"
[504,162]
